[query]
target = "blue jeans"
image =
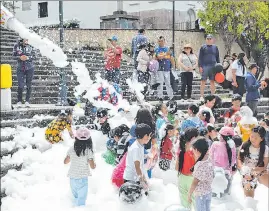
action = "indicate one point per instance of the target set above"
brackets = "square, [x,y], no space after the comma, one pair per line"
[113,75]
[22,76]
[202,203]
[79,188]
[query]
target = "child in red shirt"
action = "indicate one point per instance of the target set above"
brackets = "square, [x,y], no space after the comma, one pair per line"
[166,149]
[113,56]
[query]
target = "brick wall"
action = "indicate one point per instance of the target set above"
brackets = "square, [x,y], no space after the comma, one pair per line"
[78,38]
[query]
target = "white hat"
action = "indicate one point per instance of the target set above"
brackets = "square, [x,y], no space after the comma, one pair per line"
[247,120]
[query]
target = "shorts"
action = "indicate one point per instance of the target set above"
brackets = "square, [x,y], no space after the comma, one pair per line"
[113,75]
[208,73]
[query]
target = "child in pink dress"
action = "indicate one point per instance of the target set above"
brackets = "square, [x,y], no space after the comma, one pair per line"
[223,154]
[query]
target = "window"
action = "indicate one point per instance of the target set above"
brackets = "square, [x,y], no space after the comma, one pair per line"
[26,5]
[43,9]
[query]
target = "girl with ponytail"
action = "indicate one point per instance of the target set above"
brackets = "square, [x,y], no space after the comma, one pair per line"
[253,160]
[184,162]
[223,154]
[193,120]
[166,148]
[203,173]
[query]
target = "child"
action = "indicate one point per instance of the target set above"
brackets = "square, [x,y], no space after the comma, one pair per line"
[238,143]
[102,116]
[172,109]
[223,154]
[212,133]
[57,126]
[121,137]
[236,103]
[161,113]
[246,124]
[209,103]
[253,160]
[193,120]
[265,123]
[205,117]
[81,156]
[203,173]
[184,163]
[135,170]
[166,148]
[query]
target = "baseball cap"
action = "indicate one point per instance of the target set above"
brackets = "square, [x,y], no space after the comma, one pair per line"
[83,133]
[253,66]
[209,36]
[236,97]
[113,38]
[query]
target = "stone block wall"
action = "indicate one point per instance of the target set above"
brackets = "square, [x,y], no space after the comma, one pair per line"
[78,38]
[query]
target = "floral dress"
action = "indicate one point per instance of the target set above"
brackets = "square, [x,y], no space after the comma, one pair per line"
[54,129]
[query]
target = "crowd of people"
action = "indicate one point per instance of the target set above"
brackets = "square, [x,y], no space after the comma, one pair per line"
[155,66]
[159,138]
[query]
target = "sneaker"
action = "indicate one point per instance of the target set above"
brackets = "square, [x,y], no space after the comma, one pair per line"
[160,99]
[27,104]
[19,104]
[202,99]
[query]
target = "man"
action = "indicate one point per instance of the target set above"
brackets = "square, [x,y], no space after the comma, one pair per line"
[113,56]
[164,56]
[138,40]
[24,54]
[253,87]
[208,57]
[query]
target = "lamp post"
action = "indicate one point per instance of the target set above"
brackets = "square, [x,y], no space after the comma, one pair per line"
[173,28]
[62,86]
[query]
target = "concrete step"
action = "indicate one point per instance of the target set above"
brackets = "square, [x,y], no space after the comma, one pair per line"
[26,122]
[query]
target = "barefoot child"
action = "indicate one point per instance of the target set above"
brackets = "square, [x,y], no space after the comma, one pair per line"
[81,157]
[253,160]
[57,126]
[203,173]
[135,170]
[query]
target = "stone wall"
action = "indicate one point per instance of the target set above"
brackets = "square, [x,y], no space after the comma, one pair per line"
[79,38]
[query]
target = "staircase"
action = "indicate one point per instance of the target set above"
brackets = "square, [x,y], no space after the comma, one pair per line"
[45,89]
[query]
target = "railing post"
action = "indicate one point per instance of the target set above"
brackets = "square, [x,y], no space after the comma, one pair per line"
[62,86]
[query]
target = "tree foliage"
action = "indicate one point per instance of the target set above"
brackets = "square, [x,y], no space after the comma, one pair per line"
[9,5]
[246,22]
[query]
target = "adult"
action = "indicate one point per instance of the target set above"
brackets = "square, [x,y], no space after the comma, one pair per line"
[164,57]
[209,103]
[226,63]
[208,57]
[24,54]
[187,62]
[252,86]
[234,57]
[239,71]
[113,55]
[143,59]
[138,40]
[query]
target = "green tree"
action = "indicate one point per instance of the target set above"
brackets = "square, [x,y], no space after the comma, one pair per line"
[246,22]
[10,5]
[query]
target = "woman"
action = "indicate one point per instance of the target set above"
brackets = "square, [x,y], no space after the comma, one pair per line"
[226,63]
[187,62]
[239,71]
[209,102]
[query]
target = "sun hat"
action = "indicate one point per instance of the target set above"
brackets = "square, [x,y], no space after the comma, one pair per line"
[83,133]
[226,131]
[188,45]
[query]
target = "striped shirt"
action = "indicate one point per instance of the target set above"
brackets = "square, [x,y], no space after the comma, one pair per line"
[122,146]
[79,167]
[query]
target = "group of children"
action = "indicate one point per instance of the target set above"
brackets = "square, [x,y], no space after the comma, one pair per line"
[160,136]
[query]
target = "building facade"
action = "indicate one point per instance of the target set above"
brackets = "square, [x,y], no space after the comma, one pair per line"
[42,13]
